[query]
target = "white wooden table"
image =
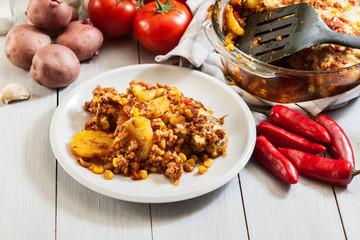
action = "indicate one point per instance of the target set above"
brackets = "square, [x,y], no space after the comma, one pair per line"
[39,200]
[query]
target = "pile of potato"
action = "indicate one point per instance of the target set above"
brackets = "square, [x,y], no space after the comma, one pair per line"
[52,43]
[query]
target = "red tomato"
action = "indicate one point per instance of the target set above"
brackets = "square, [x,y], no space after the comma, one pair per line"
[161,32]
[114,18]
[182,1]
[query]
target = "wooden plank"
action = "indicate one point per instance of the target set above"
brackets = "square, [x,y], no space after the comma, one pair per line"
[275,210]
[349,197]
[85,214]
[216,215]
[82,213]
[27,173]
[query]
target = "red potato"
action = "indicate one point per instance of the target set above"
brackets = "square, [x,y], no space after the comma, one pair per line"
[49,14]
[21,43]
[74,14]
[54,33]
[55,66]
[82,38]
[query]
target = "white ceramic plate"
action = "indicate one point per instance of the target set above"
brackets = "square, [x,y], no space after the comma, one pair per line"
[70,117]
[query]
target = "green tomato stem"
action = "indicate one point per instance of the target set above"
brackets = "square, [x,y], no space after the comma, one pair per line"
[164,7]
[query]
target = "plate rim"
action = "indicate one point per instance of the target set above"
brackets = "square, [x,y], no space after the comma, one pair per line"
[99,188]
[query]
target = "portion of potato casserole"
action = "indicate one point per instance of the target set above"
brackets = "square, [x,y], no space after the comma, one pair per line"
[148,129]
[340,15]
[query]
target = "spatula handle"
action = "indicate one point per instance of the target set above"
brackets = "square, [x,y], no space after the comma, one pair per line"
[344,39]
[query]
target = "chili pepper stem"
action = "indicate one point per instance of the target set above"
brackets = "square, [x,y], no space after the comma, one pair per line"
[265,112]
[354,172]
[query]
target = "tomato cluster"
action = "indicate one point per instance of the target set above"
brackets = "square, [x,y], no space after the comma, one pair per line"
[158,25]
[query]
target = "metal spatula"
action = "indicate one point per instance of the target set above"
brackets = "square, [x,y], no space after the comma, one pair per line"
[280,32]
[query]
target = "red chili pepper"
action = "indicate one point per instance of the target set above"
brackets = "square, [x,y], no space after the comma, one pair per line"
[338,172]
[274,161]
[298,123]
[280,137]
[339,143]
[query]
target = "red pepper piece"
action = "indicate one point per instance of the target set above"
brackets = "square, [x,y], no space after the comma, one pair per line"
[280,137]
[274,161]
[338,172]
[339,143]
[236,15]
[187,103]
[236,4]
[298,123]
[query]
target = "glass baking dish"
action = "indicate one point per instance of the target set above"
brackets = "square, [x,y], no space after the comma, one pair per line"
[271,82]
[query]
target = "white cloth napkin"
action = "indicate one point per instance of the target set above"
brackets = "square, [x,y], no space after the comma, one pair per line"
[6,19]
[196,52]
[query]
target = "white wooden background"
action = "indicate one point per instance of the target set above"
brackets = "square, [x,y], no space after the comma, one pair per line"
[39,200]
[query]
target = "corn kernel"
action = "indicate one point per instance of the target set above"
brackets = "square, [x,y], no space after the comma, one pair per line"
[347,7]
[115,163]
[162,144]
[99,169]
[104,123]
[95,99]
[135,112]
[354,26]
[335,10]
[202,170]
[162,152]
[193,156]
[153,169]
[230,47]
[123,101]
[108,174]
[232,83]
[252,3]
[144,174]
[188,113]
[228,41]
[182,156]
[174,91]
[117,139]
[137,90]
[311,89]
[191,162]
[208,163]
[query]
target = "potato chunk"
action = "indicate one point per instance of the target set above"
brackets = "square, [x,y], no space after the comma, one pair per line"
[90,144]
[158,106]
[139,129]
